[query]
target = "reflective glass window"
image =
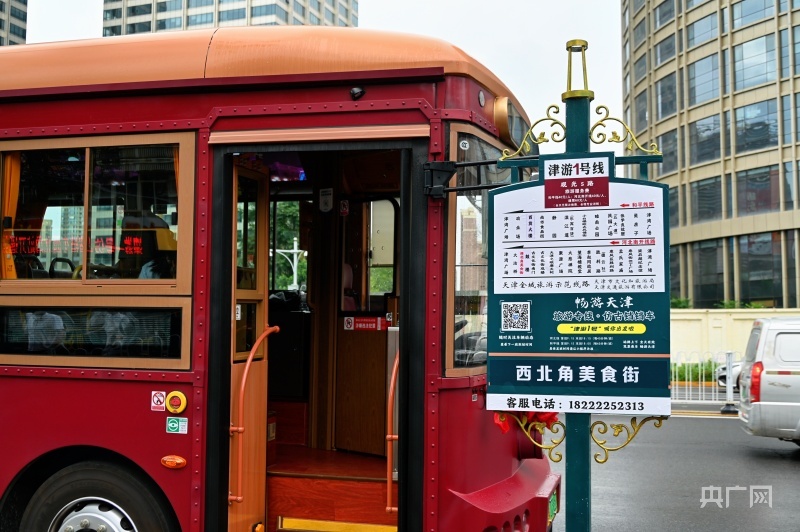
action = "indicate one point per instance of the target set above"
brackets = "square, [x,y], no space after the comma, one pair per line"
[760,277]
[758,190]
[665,97]
[640,33]
[749,11]
[788,186]
[704,140]
[757,126]
[202,18]
[169,5]
[674,271]
[173,23]
[663,13]
[785,46]
[707,273]
[754,62]
[706,200]
[143,9]
[703,80]
[701,31]
[640,68]
[786,114]
[665,50]
[232,14]
[668,144]
[674,220]
[640,106]
[138,27]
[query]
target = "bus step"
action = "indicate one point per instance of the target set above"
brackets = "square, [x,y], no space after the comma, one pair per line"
[292,524]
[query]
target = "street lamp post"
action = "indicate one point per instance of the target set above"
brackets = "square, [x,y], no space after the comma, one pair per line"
[293,256]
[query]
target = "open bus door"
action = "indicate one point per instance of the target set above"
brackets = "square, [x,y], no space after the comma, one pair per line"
[316,253]
[248,453]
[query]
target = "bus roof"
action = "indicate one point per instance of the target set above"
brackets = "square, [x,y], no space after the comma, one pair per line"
[229,52]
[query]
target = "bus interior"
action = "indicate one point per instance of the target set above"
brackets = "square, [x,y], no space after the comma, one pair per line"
[333,290]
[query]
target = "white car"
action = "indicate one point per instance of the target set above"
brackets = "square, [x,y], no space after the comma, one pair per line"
[770,379]
[721,374]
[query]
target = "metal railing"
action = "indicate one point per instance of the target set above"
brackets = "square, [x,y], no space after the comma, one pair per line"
[693,375]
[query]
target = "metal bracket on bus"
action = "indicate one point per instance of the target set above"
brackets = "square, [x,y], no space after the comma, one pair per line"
[437,174]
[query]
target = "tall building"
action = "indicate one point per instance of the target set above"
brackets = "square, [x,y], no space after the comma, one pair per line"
[121,17]
[714,84]
[13,21]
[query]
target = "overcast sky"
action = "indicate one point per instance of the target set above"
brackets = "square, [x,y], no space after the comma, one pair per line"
[522,41]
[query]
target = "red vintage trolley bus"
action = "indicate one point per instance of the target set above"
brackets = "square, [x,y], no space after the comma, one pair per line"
[216,244]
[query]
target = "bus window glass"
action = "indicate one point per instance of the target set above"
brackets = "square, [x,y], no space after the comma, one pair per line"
[131,228]
[92,332]
[381,252]
[246,234]
[289,267]
[471,249]
[134,212]
[42,213]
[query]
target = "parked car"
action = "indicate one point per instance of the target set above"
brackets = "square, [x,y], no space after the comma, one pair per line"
[770,380]
[721,374]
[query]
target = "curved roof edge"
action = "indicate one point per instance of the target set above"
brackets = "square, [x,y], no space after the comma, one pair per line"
[230,52]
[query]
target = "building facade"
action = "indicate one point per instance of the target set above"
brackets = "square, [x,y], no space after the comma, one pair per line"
[715,84]
[121,17]
[13,21]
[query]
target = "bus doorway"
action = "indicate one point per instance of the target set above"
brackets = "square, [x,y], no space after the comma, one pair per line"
[331,286]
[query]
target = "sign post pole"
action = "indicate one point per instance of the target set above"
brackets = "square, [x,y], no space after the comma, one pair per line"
[577,426]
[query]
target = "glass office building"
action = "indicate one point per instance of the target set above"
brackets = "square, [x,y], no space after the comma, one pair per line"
[121,17]
[13,21]
[716,83]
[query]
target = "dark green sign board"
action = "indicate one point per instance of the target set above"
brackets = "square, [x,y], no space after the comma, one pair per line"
[578,313]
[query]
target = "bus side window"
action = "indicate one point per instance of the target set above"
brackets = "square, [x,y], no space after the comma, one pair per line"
[42,213]
[133,214]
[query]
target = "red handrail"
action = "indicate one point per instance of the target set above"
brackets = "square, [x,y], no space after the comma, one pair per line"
[240,428]
[391,438]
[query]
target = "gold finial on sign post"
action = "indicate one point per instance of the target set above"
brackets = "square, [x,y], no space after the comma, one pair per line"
[575,46]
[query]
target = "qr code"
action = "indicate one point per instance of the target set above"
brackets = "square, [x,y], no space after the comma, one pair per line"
[516,316]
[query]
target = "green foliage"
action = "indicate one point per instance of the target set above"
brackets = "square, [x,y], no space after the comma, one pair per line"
[380,280]
[680,302]
[694,371]
[729,304]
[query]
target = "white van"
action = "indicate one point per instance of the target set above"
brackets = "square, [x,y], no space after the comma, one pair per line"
[770,380]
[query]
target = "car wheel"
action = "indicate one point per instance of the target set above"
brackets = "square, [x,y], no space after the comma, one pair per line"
[97,494]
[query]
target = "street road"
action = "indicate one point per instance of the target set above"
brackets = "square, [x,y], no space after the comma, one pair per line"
[659,481]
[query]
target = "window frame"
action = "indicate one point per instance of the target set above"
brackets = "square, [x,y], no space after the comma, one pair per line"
[181,284]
